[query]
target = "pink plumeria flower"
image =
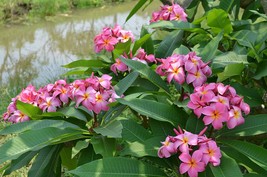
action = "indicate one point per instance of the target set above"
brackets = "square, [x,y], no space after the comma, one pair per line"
[50,104]
[101,102]
[124,36]
[196,104]
[86,98]
[176,72]
[107,43]
[18,116]
[167,149]
[222,100]
[184,140]
[178,13]
[197,78]
[235,118]
[192,164]
[104,81]
[211,153]
[63,93]
[120,66]
[215,114]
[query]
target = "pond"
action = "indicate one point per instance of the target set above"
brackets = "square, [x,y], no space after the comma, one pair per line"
[33,54]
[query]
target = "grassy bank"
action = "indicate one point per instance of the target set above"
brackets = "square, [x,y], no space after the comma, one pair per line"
[12,11]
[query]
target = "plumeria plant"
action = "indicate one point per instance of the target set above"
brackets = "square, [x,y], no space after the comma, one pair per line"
[185,98]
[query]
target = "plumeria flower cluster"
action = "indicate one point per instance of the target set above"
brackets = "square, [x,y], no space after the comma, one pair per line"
[169,13]
[141,56]
[218,103]
[94,93]
[194,151]
[109,37]
[181,68]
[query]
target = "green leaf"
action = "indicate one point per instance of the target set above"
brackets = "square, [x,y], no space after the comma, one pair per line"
[261,70]
[36,125]
[85,63]
[159,128]
[177,25]
[227,5]
[219,21]
[228,58]
[194,125]
[138,6]
[23,160]
[112,129]
[181,50]
[125,83]
[34,140]
[156,110]
[231,70]
[140,149]
[254,125]
[169,44]
[148,46]
[140,42]
[245,37]
[47,163]
[80,145]
[243,160]
[87,155]
[256,153]
[119,167]
[228,167]
[132,131]
[103,145]
[76,71]
[66,158]
[208,53]
[122,48]
[28,109]
[73,112]
[147,72]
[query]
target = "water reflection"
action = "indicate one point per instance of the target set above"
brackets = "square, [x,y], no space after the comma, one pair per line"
[33,54]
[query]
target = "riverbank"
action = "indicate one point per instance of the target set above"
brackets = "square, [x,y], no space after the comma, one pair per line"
[19,11]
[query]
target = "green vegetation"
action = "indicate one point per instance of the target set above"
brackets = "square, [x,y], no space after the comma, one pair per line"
[29,10]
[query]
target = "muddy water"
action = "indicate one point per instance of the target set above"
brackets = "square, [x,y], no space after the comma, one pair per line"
[33,54]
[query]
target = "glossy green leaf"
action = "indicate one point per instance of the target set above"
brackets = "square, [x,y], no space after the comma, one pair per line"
[112,129]
[147,72]
[254,152]
[119,167]
[36,125]
[177,25]
[138,6]
[148,46]
[159,128]
[140,42]
[169,44]
[103,145]
[71,111]
[156,110]
[28,109]
[140,149]
[219,21]
[18,163]
[36,139]
[133,132]
[261,70]
[66,157]
[208,53]
[76,71]
[227,5]
[125,83]
[254,125]
[194,124]
[243,160]
[254,175]
[227,167]
[231,70]
[85,63]
[80,145]
[181,50]
[46,163]
[245,37]
[122,48]
[228,58]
